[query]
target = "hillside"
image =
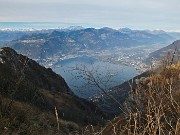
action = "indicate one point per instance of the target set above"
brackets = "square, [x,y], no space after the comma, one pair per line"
[29,106]
[29,94]
[120,93]
[168,50]
[110,106]
[152,107]
[7,36]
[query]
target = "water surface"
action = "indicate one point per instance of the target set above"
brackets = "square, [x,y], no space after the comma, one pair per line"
[102,72]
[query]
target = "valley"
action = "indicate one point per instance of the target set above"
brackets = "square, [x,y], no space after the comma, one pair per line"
[92,83]
[133,56]
[125,51]
[124,62]
[98,67]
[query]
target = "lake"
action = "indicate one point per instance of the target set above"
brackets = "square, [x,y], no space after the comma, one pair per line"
[80,72]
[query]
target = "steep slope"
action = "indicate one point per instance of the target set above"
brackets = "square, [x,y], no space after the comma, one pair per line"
[121,92]
[153,103]
[29,70]
[112,102]
[26,85]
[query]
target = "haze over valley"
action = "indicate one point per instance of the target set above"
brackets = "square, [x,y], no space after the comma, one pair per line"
[124,51]
[98,67]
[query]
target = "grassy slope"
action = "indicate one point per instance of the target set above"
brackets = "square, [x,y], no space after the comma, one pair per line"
[152,108]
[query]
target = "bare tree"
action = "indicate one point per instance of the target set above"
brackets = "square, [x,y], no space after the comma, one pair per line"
[95,78]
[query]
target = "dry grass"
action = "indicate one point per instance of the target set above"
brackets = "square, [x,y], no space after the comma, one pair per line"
[27,119]
[152,109]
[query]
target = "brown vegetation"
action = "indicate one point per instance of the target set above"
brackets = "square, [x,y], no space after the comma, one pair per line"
[29,94]
[152,108]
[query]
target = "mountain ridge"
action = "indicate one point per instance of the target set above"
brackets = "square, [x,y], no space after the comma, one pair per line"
[42,46]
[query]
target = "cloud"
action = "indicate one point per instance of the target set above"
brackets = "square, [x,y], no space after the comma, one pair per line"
[114,13]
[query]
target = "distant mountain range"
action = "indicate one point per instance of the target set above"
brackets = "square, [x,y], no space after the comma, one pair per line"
[35,100]
[7,36]
[41,46]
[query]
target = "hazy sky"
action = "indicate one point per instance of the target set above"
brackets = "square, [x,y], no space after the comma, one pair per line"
[136,14]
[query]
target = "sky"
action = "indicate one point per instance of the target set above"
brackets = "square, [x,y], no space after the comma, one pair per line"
[135,14]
